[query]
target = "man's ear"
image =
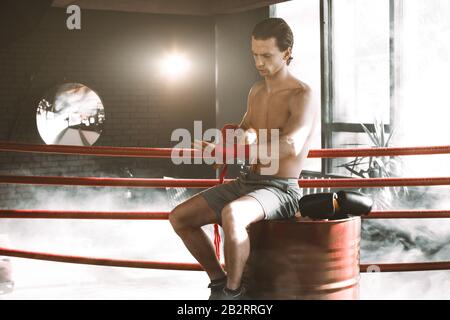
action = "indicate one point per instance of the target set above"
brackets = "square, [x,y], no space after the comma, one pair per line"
[288,54]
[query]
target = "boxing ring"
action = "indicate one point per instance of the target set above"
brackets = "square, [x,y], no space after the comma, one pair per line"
[205,183]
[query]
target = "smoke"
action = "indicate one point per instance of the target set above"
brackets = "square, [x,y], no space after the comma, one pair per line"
[121,239]
[421,118]
[421,114]
[423,285]
[403,241]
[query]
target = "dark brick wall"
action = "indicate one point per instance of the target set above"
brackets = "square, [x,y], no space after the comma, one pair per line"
[113,54]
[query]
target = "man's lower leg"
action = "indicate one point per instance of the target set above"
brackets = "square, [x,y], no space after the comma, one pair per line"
[201,247]
[237,250]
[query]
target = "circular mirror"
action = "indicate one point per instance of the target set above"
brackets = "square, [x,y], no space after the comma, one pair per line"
[70,114]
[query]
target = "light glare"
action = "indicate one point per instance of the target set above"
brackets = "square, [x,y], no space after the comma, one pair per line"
[175,65]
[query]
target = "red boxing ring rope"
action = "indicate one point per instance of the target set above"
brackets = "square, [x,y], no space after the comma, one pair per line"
[100,261]
[164,215]
[403,267]
[167,152]
[381,267]
[409,214]
[142,215]
[70,214]
[205,183]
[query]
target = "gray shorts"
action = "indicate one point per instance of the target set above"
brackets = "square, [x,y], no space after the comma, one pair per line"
[278,196]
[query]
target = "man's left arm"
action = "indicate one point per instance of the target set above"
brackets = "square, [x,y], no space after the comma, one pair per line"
[298,126]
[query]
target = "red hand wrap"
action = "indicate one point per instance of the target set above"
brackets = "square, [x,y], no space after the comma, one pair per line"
[230,151]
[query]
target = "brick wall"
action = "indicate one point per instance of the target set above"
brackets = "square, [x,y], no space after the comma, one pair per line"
[113,54]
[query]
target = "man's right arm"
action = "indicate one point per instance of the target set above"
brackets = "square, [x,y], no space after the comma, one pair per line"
[244,125]
[245,122]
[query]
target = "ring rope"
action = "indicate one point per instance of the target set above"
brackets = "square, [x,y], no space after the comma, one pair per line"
[193,153]
[206,183]
[400,267]
[75,214]
[410,214]
[364,268]
[100,261]
[164,215]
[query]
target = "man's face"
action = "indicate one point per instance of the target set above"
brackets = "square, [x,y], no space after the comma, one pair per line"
[268,57]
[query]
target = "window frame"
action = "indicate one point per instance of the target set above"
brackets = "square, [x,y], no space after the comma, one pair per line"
[327,79]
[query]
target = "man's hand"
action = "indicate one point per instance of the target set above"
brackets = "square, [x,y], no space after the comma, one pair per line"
[250,136]
[202,145]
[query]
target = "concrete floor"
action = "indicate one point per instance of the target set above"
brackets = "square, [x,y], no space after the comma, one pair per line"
[46,280]
[41,280]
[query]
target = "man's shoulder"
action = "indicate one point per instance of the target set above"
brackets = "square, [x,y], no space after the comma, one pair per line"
[295,89]
[300,91]
[300,87]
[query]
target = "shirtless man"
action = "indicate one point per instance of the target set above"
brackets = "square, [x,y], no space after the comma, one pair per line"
[279,101]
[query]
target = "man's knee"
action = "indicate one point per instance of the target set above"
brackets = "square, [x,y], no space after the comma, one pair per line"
[241,213]
[177,218]
[234,227]
[230,216]
[193,213]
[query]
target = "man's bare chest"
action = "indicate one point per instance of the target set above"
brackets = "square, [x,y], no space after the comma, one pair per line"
[269,112]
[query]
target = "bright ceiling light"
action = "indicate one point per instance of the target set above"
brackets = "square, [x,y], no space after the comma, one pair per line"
[175,65]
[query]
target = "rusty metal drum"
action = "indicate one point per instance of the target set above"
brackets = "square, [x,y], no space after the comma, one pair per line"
[304,259]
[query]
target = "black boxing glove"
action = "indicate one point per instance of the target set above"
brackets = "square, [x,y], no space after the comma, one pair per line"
[317,205]
[353,203]
[323,205]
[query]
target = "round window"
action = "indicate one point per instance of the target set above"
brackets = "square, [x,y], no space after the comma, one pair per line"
[70,114]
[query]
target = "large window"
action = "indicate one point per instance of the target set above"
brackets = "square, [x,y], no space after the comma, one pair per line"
[384,62]
[384,79]
[423,108]
[360,92]
[360,56]
[424,48]
[304,19]
[390,60]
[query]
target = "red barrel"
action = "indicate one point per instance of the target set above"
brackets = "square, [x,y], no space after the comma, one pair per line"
[299,259]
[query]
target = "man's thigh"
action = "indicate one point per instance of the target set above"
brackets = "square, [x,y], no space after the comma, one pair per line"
[276,204]
[219,196]
[194,212]
[243,211]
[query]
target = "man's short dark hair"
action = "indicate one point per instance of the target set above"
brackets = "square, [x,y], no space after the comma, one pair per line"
[275,28]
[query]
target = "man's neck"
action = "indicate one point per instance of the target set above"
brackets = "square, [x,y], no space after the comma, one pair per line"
[278,80]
